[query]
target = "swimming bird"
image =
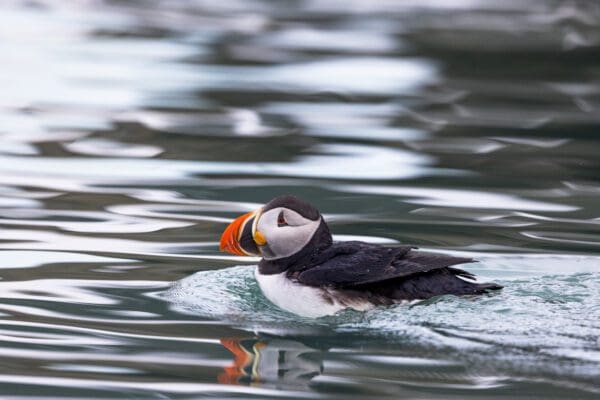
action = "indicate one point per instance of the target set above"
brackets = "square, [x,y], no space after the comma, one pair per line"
[304,272]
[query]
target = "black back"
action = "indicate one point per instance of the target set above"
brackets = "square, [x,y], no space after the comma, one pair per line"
[381,273]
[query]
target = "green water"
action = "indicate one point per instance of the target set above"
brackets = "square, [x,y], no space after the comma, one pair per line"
[132,132]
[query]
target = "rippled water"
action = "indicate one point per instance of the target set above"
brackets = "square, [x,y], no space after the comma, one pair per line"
[131,132]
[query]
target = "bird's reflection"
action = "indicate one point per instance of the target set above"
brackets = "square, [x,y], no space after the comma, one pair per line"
[271,362]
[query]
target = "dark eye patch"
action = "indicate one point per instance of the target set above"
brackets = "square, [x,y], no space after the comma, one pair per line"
[281,220]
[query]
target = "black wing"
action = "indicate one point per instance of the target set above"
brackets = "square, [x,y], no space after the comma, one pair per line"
[350,264]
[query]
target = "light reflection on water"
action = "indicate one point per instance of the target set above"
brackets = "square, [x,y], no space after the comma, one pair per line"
[132,132]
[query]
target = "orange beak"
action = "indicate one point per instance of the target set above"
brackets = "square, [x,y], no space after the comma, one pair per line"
[230,239]
[242,238]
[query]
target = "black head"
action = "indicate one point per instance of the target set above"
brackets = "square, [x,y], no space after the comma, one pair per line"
[293,203]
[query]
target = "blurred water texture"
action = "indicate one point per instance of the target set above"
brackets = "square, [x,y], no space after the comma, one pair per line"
[132,131]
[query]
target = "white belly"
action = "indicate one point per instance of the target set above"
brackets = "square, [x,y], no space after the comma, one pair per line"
[299,299]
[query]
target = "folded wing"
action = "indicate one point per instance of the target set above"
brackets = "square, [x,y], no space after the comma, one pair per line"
[352,264]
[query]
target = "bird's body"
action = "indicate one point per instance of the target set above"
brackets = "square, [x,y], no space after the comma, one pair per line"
[360,276]
[304,272]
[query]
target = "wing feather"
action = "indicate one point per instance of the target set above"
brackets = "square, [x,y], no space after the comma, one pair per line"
[360,263]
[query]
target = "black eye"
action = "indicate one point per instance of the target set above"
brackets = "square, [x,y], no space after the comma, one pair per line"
[281,220]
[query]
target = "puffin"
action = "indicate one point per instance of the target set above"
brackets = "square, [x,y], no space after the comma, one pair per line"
[303,271]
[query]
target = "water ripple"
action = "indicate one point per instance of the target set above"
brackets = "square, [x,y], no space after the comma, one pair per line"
[132,132]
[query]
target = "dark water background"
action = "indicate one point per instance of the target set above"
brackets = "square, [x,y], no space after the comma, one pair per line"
[131,132]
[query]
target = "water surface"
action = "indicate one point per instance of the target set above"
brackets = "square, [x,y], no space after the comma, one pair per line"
[132,132]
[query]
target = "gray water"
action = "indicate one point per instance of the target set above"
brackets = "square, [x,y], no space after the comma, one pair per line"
[132,132]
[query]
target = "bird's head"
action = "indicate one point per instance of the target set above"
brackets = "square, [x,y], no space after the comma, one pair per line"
[282,228]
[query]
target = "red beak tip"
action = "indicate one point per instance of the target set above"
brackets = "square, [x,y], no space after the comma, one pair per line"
[229,240]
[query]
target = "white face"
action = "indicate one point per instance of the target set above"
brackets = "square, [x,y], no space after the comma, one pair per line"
[285,231]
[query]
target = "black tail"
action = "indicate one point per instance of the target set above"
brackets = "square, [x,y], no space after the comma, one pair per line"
[479,288]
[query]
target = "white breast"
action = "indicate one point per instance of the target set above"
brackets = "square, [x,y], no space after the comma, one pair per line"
[299,299]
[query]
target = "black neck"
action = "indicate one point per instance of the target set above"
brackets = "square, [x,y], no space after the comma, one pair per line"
[303,259]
